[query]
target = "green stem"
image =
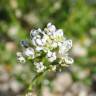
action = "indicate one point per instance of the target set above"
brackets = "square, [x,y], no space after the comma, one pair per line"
[33,81]
[36,78]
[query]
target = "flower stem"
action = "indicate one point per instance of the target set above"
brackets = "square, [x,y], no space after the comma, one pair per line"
[36,78]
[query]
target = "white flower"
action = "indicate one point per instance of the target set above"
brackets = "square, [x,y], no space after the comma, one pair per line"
[53,33]
[39,66]
[58,33]
[44,39]
[39,39]
[19,54]
[68,60]
[20,57]
[51,27]
[34,41]
[54,45]
[65,46]
[39,48]
[59,44]
[35,32]
[49,24]
[39,42]
[51,56]
[29,52]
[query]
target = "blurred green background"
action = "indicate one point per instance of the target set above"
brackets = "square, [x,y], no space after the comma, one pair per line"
[78,20]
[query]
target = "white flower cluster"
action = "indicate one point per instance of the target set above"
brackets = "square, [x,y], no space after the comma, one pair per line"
[49,48]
